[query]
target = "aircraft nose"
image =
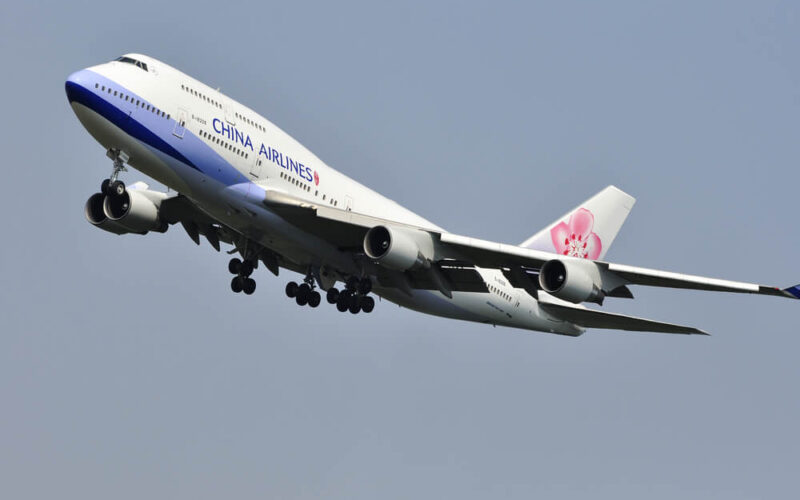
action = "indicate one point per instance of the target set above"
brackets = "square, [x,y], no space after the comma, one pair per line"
[75,84]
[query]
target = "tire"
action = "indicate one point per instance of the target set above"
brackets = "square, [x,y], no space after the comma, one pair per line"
[314,299]
[367,304]
[332,295]
[351,283]
[355,307]
[303,294]
[236,284]
[246,269]
[365,286]
[104,186]
[341,305]
[234,266]
[291,289]
[249,286]
[116,188]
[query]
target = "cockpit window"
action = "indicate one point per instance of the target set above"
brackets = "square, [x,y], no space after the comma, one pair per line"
[129,60]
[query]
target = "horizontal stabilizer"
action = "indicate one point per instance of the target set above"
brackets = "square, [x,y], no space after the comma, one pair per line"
[590,318]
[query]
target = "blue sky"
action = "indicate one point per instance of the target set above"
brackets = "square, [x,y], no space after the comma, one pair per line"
[128,369]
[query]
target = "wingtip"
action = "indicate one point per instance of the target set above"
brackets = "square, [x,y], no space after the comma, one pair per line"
[792,292]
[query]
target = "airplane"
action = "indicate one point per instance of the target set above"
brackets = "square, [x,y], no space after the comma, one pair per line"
[236,178]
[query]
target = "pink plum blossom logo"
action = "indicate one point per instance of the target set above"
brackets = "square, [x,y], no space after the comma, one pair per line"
[575,237]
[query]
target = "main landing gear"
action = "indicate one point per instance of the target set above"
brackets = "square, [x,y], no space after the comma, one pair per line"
[304,293]
[242,282]
[355,296]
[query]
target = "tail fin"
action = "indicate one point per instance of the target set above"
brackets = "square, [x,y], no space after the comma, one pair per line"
[589,229]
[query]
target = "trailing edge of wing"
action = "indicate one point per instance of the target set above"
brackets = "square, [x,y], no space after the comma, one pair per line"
[590,318]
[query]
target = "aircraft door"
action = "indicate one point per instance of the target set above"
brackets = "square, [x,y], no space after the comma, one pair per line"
[230,114]
[180,123]
[257,171]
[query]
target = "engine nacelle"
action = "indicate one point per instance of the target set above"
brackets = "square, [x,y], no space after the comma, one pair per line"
[135,210]
[97,217]
[572,280]
[399,248]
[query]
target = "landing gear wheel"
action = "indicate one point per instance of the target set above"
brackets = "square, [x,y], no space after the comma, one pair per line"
[249,286]
[364,286]
[104,186]
[303,292]
[236,284]
[246,269]
[116,188]
[367,304]
[332,295]
[314,298]
[235,266]
[351,283]
[354,308]
[291,289]
[343,302]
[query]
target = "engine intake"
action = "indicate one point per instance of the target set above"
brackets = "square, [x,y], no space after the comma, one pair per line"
[398,248]
[135,211]
[93,210]
[572,280]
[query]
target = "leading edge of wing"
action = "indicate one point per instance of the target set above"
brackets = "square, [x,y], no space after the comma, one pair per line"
[590,318]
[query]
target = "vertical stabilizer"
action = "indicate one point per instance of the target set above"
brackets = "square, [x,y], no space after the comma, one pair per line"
[588,230]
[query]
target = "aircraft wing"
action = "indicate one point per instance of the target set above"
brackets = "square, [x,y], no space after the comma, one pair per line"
[489,254]
[347,229]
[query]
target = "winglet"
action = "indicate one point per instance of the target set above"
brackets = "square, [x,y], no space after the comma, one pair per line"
[793,291]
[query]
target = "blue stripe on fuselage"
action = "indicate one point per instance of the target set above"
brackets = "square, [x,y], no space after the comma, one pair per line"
[148,127]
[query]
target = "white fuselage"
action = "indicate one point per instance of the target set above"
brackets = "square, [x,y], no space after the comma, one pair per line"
[223,156]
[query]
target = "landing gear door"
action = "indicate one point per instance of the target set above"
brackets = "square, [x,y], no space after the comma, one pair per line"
[180,124]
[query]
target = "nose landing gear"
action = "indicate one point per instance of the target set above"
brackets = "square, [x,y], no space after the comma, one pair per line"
[112,186]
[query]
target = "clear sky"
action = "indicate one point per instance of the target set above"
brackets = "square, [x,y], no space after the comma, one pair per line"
[128,369]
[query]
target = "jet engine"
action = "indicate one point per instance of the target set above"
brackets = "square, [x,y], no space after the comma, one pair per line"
[399,248]
[572,280]
[134,211]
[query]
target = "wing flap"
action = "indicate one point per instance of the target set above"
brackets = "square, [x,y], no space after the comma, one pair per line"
[590,318]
